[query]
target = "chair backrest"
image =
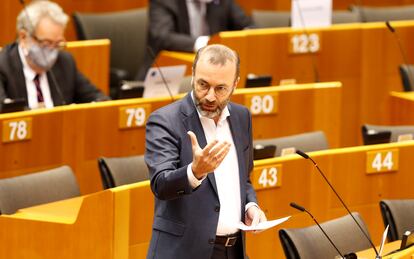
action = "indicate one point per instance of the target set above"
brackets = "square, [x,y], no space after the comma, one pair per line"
[399,215]
[37,188]
[390,13]
[407,77]
[310,141]
[372,137]
[269,19]
[345,16]
[118,171]
[127,31]
[309,242]
[396,131]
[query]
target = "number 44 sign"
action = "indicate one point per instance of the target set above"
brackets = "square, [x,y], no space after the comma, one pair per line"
[382,161]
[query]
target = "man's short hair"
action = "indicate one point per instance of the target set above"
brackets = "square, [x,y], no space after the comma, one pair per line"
[218,55]
[29,18]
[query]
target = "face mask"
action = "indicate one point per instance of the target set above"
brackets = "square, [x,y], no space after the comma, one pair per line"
[44,58]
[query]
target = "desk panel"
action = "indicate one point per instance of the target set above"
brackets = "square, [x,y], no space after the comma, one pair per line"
[76,228]
[77,135]
[92,59]
[402,108]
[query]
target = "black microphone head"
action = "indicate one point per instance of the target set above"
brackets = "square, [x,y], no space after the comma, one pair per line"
[296,206]
[302,154]
[389,26]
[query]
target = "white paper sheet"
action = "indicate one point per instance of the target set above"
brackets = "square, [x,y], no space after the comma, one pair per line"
[155,85]
[311,13]
[263,225]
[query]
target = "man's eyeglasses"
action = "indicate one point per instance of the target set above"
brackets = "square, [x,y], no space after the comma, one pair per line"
[45,43]
[219,91]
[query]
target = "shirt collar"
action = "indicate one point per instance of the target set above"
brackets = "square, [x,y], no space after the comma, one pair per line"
[27,70]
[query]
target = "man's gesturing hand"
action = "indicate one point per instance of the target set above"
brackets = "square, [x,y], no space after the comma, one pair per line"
[208,159]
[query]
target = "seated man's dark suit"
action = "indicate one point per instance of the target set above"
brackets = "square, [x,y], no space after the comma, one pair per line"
[169,25]
[185,219]
[75,87]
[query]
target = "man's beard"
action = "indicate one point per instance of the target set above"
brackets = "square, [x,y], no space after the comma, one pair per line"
[210,114]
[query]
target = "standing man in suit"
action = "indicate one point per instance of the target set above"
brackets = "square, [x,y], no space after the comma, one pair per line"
[36,69]
[185,25]
[199,153]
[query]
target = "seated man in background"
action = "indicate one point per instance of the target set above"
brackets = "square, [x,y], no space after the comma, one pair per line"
[185,25]
[36,69]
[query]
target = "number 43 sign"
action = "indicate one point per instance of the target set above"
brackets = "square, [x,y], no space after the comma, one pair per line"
[265,177]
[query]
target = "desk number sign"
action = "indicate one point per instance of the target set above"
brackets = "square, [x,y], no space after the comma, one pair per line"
[382,161]
[133,116]
[17,130]
[265,177]
[260,104]
[305,43]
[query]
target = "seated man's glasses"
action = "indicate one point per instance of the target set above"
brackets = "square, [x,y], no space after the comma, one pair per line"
[45,43]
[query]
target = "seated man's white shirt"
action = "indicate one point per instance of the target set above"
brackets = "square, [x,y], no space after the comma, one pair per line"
[29,76]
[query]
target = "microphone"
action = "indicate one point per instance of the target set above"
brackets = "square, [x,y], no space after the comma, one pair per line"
[305,30]
[306,156]
[161,74]
[402,50]
[52,75]
[300,208]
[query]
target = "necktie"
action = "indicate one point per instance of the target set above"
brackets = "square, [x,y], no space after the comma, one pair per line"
[36,81]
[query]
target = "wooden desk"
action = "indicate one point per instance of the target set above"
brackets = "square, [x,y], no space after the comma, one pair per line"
[388,248]
[346,170]
[364,57]
[77,135]
[301,108]
[117,222]
[92,59]
[76,228]
[402,108]
[101,225]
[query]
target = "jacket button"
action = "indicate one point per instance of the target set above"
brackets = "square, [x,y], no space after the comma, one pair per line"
[217,209]
[180,192]
[211,241]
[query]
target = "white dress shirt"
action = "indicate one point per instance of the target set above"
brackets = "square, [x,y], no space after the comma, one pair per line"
[226,174]
[199,28]
[29,75]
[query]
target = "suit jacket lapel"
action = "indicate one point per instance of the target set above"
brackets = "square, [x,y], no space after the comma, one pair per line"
[57,99]
[192,122]
[237,134]
[20,80]
[182,13]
